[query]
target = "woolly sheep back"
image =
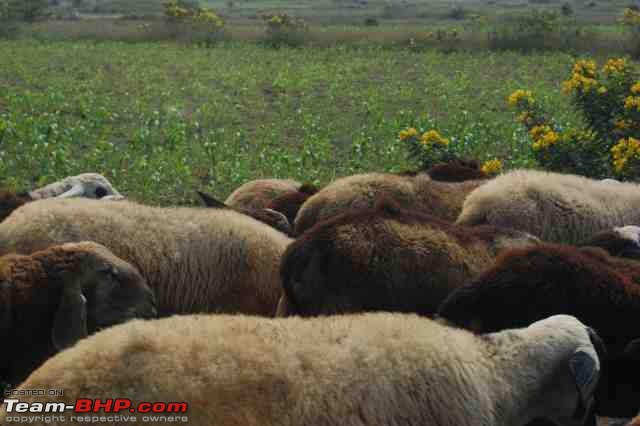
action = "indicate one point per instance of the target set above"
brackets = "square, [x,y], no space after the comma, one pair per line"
[555,207]
[195,259]
[374,369]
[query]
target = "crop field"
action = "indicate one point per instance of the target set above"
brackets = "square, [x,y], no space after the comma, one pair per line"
[162,120]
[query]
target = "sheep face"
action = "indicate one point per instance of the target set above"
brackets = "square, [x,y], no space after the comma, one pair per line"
[106,291]
[87,185]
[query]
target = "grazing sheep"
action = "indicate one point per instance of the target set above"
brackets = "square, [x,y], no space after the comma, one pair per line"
[385,258]
[257,194]
[273,218]
[525,285]
[54,297]
[419,191]
[289,204]
[88,185]
[556,207]
[372,369]
[195,259]
[622,242]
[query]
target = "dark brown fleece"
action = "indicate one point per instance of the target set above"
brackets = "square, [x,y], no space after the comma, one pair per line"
[383,259]
[9,201]
[289,204]
[525,285]
[29,298]
[457,172]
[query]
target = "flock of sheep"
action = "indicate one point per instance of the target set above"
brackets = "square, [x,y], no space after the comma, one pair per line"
[439,297]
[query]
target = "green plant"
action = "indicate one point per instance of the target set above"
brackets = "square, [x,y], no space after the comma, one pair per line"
[608,99]
[283,29]
[526,31]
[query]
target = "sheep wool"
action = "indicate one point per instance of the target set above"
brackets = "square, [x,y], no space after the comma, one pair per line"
[386,258]
[372,369]
[195,259]
[555,207]
[257,194]
[420,192]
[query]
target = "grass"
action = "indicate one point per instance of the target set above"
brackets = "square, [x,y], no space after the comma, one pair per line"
[162,120]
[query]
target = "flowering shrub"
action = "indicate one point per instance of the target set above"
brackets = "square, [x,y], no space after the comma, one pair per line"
[428,147]
[201,23]
[631,20]
[283,29]
[609,100]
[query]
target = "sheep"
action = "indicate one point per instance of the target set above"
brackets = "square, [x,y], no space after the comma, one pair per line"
[88,185]
[385,258]
[555,207]
[457,171]
[289,204]
[273,218]
[367,369]
[195,259]
[527,284]
[621,241]
[419,191]
[54,297]
[257,194]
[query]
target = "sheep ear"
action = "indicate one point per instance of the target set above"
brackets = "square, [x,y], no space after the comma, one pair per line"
[585,368]
[70,322]
[210,201]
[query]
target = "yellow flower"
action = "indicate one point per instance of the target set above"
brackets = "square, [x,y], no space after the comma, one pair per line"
[585,67]
[635,89]
[492,167]
[432,137]
[520,96]
[538,131]
[623,152]
[578,82]
[543,137]
[631,102]
[622,124]
[614,66]
[408,133]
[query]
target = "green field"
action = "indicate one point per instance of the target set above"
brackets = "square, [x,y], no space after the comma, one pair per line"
[162,120]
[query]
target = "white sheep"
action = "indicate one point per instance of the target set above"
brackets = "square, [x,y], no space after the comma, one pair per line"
[368,369]
[195,259]
[555,207]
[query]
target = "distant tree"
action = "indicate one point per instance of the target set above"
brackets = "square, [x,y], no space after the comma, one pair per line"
[566,9]
[77,3]
[27,10]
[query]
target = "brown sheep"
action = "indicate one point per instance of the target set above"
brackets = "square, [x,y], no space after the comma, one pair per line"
[54,297]
[257,194]
[385,258]
[525,285]
[195,259]
[420,192]
[457,171]
[88,185]
[289,204]
[270,217]
[622,242]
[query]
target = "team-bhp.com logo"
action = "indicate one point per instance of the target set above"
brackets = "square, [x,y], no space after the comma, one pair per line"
[85,409]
